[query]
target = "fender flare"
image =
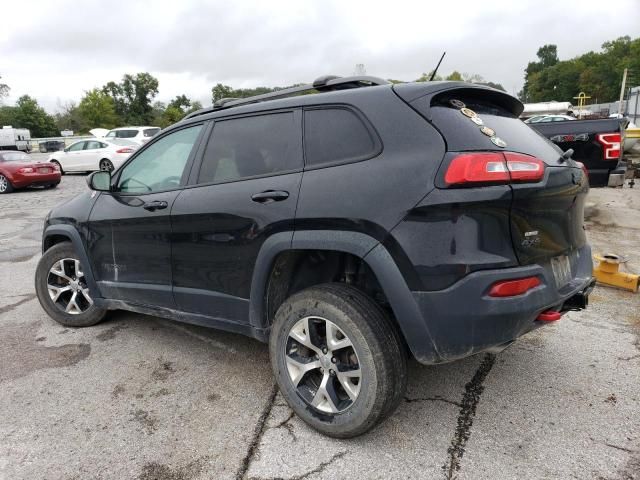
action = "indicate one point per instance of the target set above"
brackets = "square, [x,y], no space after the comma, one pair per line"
[407,313]
[73,235]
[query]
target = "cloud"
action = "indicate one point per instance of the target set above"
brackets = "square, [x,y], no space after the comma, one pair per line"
[62,48]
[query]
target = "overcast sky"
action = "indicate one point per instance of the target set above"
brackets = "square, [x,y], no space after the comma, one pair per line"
[55,50]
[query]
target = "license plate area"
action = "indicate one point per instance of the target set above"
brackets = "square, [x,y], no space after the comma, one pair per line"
[44,170]
[561,270]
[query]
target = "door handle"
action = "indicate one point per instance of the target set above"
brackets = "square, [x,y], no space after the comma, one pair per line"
[270,196]
[155,205]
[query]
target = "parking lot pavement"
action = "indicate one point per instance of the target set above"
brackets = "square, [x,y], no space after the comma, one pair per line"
[145,398]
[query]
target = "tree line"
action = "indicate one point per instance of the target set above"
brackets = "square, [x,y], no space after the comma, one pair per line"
[598,74]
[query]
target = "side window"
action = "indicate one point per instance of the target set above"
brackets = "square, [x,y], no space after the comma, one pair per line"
[111,134]
[161,165]
[76,147]
[250,146]
[336,135]
[126,133]
[92,145]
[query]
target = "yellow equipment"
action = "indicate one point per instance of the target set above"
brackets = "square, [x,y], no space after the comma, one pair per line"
[607,273]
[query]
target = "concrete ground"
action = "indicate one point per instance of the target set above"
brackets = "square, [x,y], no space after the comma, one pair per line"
[144,398]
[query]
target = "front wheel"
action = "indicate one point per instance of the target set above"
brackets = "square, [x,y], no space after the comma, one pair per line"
[58,166]
[106,165]
[62,289]
[338,360]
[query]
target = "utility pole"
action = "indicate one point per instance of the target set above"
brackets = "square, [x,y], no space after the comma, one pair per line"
[624,81]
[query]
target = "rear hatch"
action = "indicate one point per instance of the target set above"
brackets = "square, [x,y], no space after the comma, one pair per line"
[482,130]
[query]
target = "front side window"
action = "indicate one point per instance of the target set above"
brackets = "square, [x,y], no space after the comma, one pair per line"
[76,147]
[251,146]
[161,165]
[111,134]
[336,135]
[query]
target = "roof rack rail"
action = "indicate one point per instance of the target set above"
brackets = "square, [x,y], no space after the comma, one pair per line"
[325,83]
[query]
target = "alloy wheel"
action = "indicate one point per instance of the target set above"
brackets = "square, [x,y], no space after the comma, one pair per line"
[4,184]
[323,365]
[67,287]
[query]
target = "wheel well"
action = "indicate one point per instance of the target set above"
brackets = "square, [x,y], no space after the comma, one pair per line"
[52,240]
[296,270]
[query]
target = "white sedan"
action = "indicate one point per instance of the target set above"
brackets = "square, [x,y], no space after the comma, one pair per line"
[89,155]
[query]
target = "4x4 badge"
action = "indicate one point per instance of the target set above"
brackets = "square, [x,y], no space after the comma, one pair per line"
[489,132]
[457,103]
[468,112]
[498,141]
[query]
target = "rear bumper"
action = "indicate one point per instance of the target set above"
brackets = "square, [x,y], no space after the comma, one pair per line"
[463,320]
[28,179]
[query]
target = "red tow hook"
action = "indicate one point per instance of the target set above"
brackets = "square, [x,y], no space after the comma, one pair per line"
[549,316]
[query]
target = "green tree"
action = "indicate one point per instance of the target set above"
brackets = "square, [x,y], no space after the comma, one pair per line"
[4,90]
[68,117]
[97,109]
[28,114]
[133,97]
[220,91]
[455,76]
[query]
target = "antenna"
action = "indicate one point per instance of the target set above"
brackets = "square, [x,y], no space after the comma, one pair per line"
[437,66]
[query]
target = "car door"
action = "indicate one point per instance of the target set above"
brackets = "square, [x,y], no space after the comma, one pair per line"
[91,155]
[130,228]
[246,188]
[71,159]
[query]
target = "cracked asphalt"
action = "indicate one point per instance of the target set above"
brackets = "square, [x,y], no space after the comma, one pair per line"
[139,397]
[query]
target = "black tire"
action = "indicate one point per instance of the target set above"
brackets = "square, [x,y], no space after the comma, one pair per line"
[380,352]
[5,185]
[105,165]
[55,162]
[90,316]
[53,185]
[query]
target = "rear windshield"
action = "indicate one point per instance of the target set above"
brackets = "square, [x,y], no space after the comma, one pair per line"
[13,157]
[122,133]
[454,113]
[150,132]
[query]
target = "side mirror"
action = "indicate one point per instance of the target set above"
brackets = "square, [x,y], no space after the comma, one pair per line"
[99,181]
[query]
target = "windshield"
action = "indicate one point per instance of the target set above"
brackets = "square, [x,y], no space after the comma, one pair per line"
[14,157]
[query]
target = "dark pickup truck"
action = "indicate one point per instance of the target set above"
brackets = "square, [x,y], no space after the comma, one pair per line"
[595,143]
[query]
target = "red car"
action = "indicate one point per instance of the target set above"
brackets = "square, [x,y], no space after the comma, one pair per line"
[17,170]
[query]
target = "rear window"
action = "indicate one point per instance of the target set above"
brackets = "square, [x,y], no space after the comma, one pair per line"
[251,146]
[150,132]
[496,121]
[123,133]
[335,135]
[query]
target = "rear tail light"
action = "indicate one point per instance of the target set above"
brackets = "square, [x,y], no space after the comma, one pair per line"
[511,288]
[493,167]
[124,150]
[611,144]
[26,170]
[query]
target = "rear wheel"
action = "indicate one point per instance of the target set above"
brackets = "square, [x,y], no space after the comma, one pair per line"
[106,165]
[62,289]
[5,185]
[337,359]
[57,164]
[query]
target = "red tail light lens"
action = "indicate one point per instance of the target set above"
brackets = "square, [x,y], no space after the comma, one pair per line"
[493,167]
[511,288]
[611,144]
[26,170]
[124,150]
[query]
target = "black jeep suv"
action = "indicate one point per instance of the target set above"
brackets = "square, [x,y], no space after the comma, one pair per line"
[350,229]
